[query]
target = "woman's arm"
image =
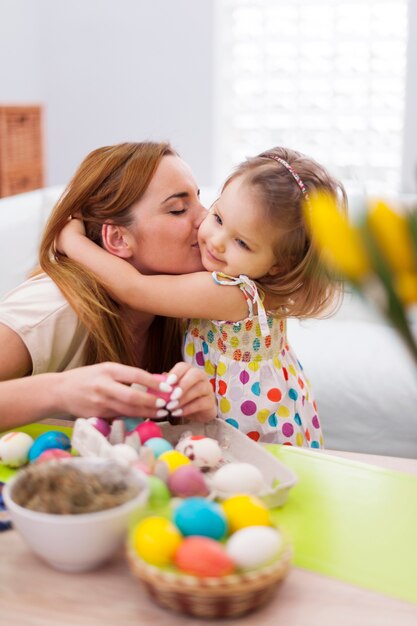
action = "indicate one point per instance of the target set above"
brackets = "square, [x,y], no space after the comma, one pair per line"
[97,390]
[189,295]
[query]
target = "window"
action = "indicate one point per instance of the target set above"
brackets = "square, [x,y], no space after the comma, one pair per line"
[324,77]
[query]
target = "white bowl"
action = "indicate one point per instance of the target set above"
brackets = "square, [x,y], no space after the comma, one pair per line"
[76,543]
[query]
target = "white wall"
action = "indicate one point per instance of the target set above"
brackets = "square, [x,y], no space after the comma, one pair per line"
[110,71]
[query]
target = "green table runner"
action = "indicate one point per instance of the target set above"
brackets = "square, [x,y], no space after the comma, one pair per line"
[346,519]
[353,521]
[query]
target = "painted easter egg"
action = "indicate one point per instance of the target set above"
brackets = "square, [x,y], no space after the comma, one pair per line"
[14,449]
[174,460]
[50,439]
[148,430]
[101,425]
[235,478]
[156,540]
[187,481]
[158,491]
[254,546]
[204,452]
[165,395]
[244,510]
[202,556]
[158,445]
[197,516]
[53,454]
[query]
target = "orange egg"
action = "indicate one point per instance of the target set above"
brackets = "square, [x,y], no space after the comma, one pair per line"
[202,556]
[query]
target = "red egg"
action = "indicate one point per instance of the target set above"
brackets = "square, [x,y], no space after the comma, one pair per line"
[202,556]
[187,481]
[148,429]
[52,455]
[101,425]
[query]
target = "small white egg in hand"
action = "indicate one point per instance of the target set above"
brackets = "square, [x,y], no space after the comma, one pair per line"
[14,448]
[254,546]
[242,478]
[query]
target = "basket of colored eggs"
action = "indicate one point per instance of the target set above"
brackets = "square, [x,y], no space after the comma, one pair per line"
[210,559]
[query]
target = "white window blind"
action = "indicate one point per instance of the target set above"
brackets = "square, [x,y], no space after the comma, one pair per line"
[324,77]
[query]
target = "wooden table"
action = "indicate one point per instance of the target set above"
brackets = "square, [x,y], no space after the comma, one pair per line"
[32,594]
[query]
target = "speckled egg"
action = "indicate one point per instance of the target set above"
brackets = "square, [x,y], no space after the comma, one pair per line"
[235,478]
[156,540]
[202,556]
[187,481]
[51,439]
[254,546]
[197,516]
[204,452]
[148,430]
[158,445]
[174,460]
[244,510]
[14,449]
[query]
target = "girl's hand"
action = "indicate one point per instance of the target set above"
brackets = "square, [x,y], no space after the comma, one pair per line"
[104,390]
[197,401]
[68,236]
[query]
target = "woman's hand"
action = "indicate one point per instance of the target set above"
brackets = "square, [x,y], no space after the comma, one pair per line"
[197,401]
[109,390]
[69,235]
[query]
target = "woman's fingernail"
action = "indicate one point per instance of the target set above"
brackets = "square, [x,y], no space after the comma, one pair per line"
[172,405]
[177,393]
[177,412]
[171,379]
[160,402]
[163,386]
[161,413]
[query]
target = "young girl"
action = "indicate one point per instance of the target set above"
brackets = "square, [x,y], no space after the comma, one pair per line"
[261,269]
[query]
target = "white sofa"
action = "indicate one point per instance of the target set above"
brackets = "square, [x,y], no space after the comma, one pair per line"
[363,378]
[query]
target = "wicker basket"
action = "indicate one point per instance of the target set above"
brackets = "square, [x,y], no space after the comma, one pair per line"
[227,596]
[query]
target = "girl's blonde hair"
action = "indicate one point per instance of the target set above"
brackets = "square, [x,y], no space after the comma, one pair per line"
[302,287]
[103,189]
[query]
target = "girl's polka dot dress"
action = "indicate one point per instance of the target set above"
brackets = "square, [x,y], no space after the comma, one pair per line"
[260,385]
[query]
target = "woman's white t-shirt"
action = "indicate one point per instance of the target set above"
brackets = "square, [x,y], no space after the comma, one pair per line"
[50,329]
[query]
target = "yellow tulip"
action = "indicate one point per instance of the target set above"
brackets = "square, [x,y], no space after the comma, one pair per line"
[338,241]
[406,287]
[391,232]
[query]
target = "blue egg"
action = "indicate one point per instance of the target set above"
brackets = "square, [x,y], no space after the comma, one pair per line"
[158,445]
[198,516]
[50,439]
[131,422]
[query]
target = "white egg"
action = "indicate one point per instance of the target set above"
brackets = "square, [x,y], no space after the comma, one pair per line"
[14,448]
[254,546]
[238,478]
[124,453]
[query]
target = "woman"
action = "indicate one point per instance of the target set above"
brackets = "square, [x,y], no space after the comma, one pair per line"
[140,202]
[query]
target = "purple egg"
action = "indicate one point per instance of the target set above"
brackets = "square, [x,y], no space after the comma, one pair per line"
[187,481]
[101,425]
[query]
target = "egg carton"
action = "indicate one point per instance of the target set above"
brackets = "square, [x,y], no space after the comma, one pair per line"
[237,447]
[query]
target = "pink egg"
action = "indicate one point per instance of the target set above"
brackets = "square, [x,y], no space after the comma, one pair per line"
[165,395]
[148,429]
[101,425]
[187,481]
[202,556]
[52,455]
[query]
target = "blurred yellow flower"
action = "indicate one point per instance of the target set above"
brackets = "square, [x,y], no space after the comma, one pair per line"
[392,234]
[406,287]
[338,241]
